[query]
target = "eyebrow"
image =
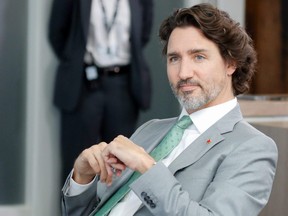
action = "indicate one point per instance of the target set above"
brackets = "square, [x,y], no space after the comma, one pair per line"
[191,51]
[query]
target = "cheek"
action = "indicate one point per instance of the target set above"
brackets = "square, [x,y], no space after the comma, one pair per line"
[172,76]
[215,81]
[212,75]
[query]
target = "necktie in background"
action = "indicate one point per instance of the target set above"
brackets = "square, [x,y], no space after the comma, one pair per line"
[170,141]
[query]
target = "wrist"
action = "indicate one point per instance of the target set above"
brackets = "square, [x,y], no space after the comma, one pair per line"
[82,179]
[147,165]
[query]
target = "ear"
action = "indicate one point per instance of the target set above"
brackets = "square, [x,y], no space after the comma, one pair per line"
[231,68]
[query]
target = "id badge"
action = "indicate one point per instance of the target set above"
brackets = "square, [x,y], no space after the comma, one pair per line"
[91,73]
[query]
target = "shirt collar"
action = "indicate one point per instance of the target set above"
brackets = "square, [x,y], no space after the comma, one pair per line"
[205,118]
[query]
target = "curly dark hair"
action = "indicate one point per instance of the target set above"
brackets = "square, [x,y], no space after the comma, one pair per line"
[235,45]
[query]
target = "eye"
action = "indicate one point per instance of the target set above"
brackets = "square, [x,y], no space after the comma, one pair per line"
[173,59]
[199,57]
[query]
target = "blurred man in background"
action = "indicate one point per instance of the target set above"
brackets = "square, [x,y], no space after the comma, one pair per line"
[102,80]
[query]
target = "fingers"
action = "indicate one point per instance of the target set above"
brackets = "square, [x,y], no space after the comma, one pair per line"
[116,164]
[122,152]
[107,160]
[83,174]
[98,165]
[118,168]
[90,163]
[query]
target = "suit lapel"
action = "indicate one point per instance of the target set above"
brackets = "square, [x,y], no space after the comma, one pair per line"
[85,9]
[196,150]
[211,137]
[149,139]
[134,10]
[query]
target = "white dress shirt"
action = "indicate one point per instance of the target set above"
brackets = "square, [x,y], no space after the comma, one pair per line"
[117,41]
[202,120]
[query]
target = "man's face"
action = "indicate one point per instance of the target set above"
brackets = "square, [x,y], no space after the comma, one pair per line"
[198,75]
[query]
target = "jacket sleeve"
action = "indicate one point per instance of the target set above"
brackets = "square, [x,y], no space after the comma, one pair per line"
[82,204]
[59,24]
[240,187]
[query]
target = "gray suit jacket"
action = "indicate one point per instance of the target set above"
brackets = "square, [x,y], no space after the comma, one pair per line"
[229,175]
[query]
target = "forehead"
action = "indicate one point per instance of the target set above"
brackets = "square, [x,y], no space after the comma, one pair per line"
[187,38]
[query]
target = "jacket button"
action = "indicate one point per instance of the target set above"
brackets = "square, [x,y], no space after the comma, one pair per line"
[143,194]
[147,198]
[152,205]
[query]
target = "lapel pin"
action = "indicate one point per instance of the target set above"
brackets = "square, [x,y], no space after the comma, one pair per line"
[208,141]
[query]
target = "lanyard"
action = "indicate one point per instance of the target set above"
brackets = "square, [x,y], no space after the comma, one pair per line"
[108,26]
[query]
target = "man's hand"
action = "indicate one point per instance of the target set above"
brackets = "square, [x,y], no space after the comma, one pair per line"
[91,163]
[123,152]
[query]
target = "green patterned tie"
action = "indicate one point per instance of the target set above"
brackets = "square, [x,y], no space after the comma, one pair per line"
[170,141]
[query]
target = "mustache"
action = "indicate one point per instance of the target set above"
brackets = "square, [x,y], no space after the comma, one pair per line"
[187,82]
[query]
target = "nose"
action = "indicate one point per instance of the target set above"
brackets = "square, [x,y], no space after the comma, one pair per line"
[185,70]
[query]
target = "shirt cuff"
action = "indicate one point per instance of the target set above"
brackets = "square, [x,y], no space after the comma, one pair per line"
[75,189]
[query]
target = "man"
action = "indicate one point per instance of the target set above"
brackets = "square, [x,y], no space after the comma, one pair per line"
[222,165]
[102,80]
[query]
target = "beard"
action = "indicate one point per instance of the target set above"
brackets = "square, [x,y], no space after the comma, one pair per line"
[192,102]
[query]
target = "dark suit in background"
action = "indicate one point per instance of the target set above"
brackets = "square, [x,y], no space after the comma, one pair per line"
[88,117]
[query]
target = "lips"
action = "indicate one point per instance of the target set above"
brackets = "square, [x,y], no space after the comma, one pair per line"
[187,87]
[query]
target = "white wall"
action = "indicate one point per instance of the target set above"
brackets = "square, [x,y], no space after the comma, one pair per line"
[43,191]
[236,8]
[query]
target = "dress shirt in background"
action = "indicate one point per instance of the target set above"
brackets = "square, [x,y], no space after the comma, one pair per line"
[117,41]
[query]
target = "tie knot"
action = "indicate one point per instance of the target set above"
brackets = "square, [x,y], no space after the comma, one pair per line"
[184,122]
